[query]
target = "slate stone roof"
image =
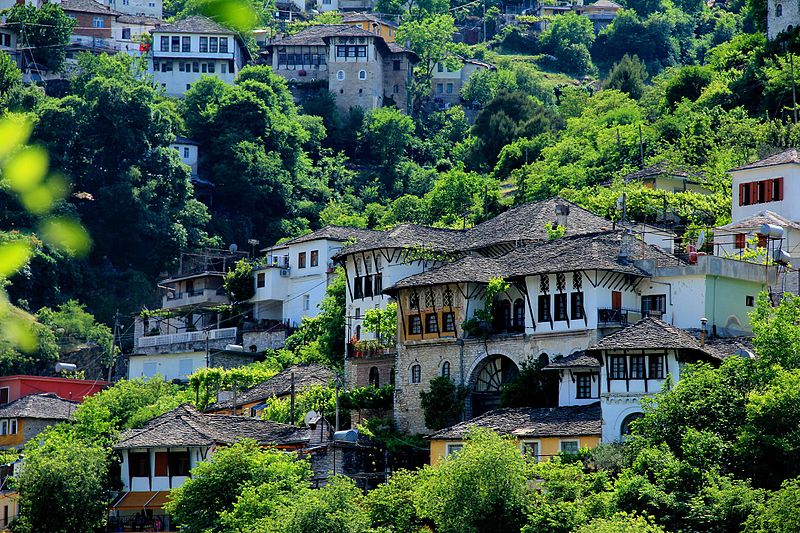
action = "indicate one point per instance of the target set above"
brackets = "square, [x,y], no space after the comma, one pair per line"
[524,422]
[316,34]
[787,156]
[397,49]
[527,222]
[723,347]
[579,252]
[184,426]
[194,24]
[185,140]
[651,334]
[333,233]
[579,359]
[762,217]
[361,17]
[280,385]
[46,406]
[143,20]
[409,236]
[87,6]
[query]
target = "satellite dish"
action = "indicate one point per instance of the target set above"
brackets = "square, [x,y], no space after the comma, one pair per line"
[233,248]
[701,239]
[311,418]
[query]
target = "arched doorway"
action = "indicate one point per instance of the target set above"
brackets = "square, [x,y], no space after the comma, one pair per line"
[625,427]
[488,379]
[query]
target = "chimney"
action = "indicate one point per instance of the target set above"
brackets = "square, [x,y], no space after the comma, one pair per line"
[625,246]
[562,213]
[703,322]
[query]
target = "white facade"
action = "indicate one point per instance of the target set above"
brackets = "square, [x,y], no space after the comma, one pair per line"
[154,482]
[148,8]
[188,152]
[170,366]
[743,207]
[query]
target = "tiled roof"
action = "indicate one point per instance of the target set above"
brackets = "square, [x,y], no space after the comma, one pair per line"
[524,422]
[651,334]
[468,269]
[194,24]
[410,236]
[334,233]
[527,222]
[184,426]
[47,406]
[316,34]
[723,347]
[787,156]
[397,49]
[578,359]
[281,385]
[87,6]
[762,217]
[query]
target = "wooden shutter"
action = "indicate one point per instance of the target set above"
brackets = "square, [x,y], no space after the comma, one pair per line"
[779,189]
[754,199]
[162,459]
[741,241]
[616,300]
[741,194]
[768,191]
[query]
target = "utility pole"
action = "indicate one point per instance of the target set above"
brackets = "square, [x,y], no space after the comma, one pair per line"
[291,414]
[484,20]
[794,89]
[114,342]
[641,145]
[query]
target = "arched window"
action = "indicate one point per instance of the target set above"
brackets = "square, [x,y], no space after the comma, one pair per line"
[358,332]
[625,428]
[446,369]
[340,75]
[362,74]
[374,377]
[416,374]
[779,10]
[519,315]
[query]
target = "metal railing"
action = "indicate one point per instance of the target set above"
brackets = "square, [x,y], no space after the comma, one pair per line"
[186,336]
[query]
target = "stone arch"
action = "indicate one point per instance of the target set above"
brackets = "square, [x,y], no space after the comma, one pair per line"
[487,376]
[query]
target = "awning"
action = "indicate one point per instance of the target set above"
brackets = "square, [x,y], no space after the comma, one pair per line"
[136,501]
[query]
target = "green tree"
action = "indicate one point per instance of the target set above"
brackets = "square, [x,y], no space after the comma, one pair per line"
[338,507]
[628,76]
[216,484]
[64,473]
[777,335]
[386,134]
[779,515]
[240,284]
[568,38]
[687,82]
[382,323]
[73,323]
[10,76]
[482,488]
[621,523]
[44,31]
[443,404]
[392,504]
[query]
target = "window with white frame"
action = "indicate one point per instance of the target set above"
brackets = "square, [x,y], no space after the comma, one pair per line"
[340,75]
[98,22]
[416,374]
[531,449]
[570,446]
[362,74]
[453,448]
[306,302]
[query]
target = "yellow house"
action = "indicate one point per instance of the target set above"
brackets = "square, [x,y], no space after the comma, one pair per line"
[540,432]
[373,24]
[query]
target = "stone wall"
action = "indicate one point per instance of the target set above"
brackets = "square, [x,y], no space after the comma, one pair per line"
[230,360]
[34,426]
[263,340]
[359,368]
[431,355]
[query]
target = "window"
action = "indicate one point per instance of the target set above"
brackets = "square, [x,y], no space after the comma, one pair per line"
[584,386]
[340,75]
[204,44]
[750,301]
[149,369]
[164,43]
[413,301]
[182,68]
[12,426]
[358,288]
[301,260]
[188,85]
[204,67]
[378,283]
[655,368]
[223,45]
[544,308]
[439,67]
[740,241]
[362,74]
[4,427]
[314,258]
[351,51]
[762,241]
[416,374]
[654,305]
[570,446]
[762,191]
[440,88]
[212,44]
[453,449]
[449,88]
[448,322]
[139,464]
[395,88]
[176,43]
[625,428]
[519,315]
[161,468]
[415,325]
[212,67]
[223,68]
[374,377]
[126,33]
[185,367]
[561,307]
[637,367]
[186,152]
[431,323]
[368,287]
[98,22]
[530,449]
[617,367]
[186,44]
[779,10]
[446,369]
[306,302]
[166,66]
[4,395]
[397,65]
[195,67]
[577,305]
[179,463]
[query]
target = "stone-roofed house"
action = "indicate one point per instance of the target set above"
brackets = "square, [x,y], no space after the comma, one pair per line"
[251,402]
[24,418]
[375,23]
[540,432]
[160,455]
[358,66]
[186,49]
[446,84]
[664,176]
[93,26]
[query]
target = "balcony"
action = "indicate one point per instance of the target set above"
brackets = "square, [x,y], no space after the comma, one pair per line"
[187,337]
[195,297]
[609,317]
[366,350]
